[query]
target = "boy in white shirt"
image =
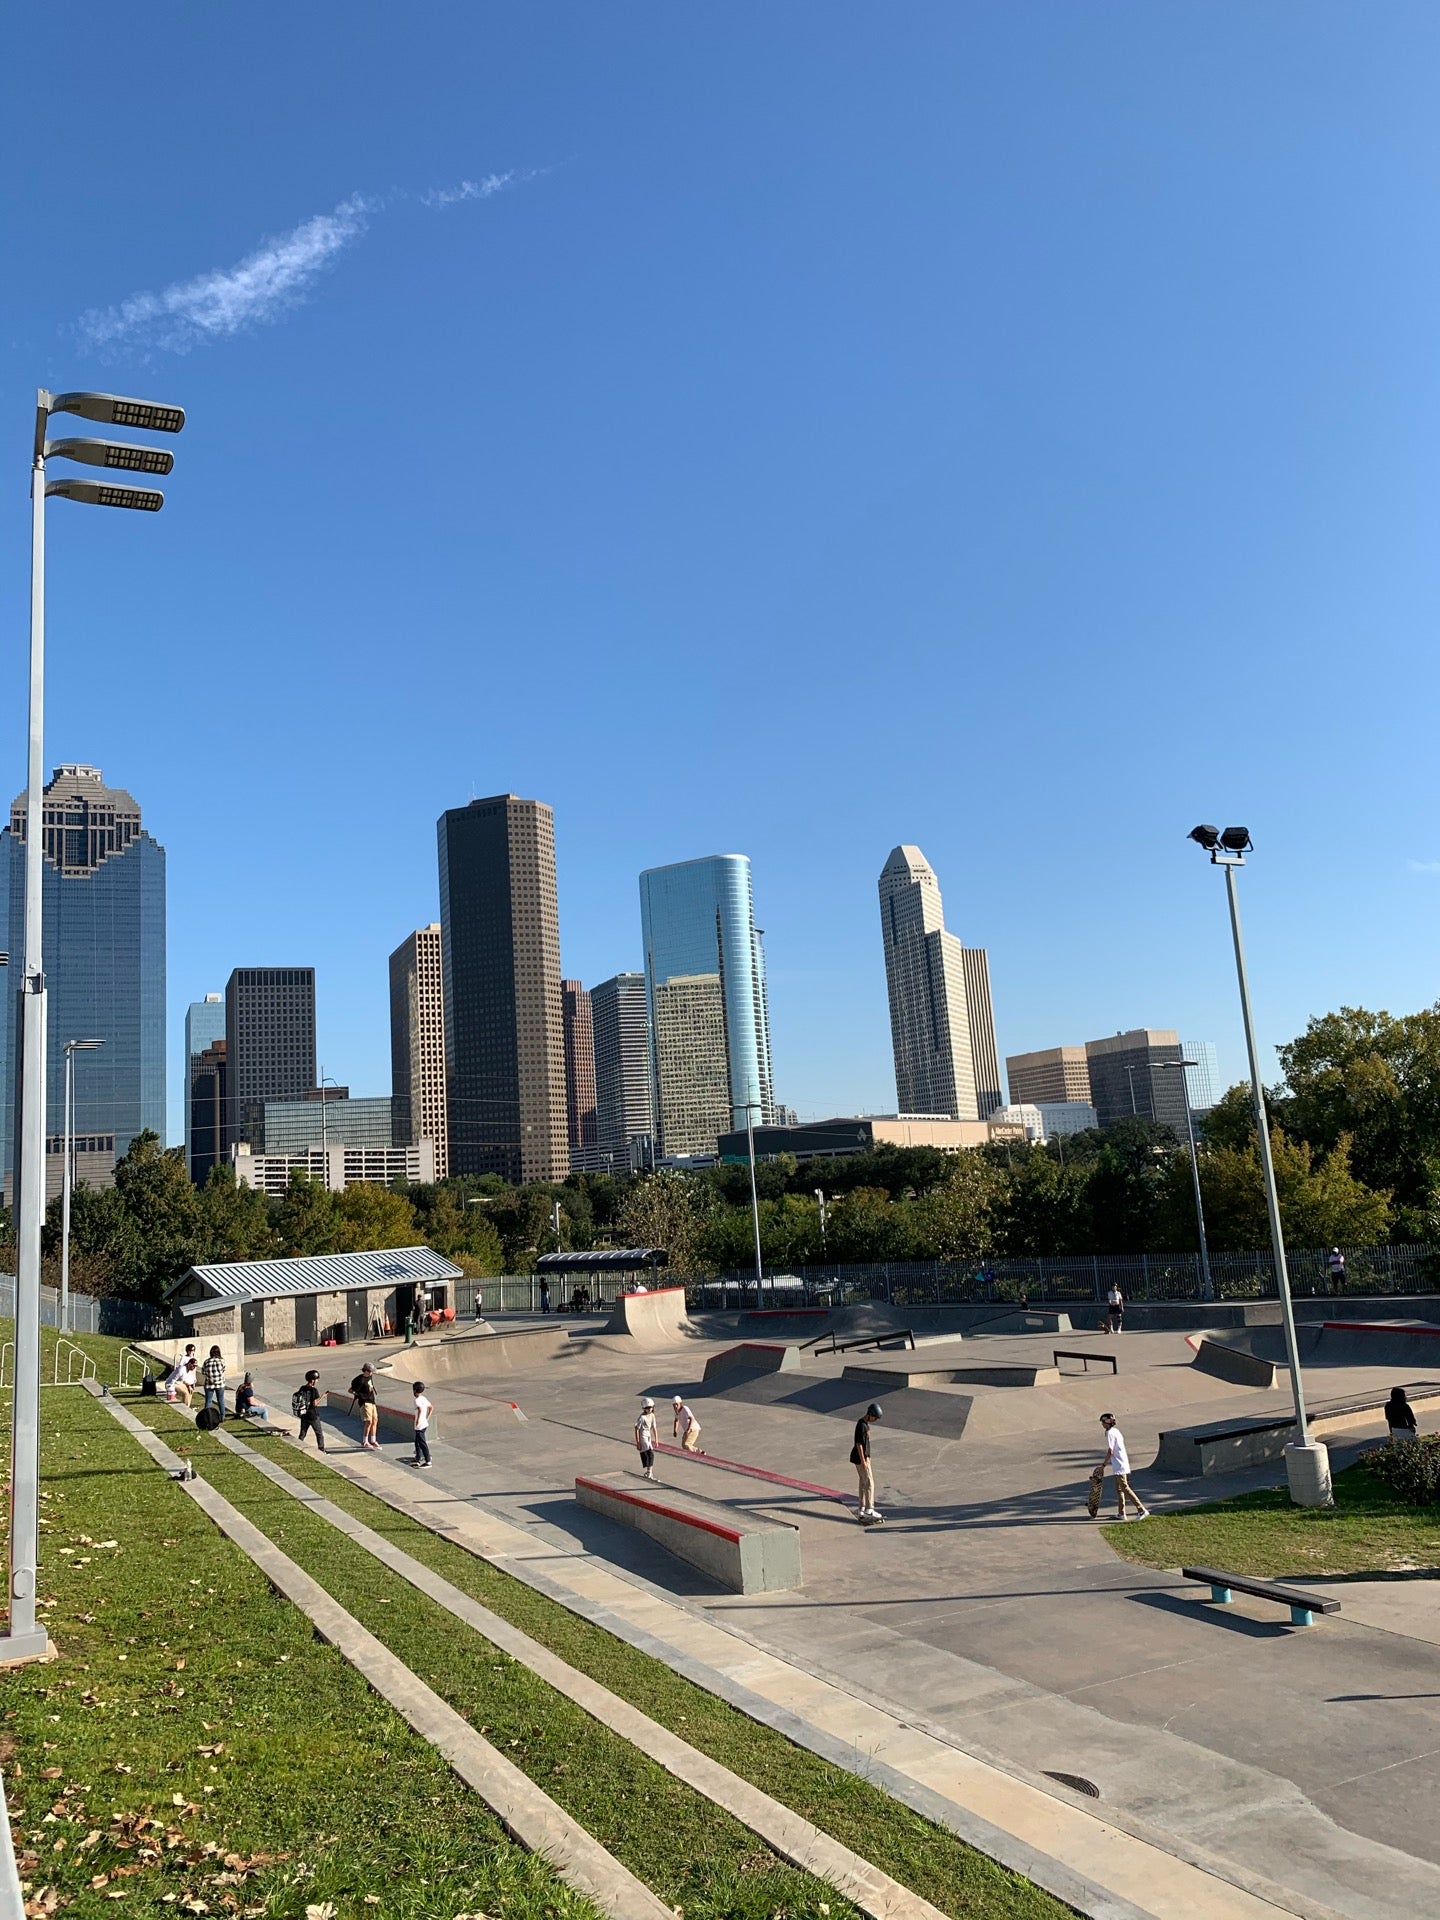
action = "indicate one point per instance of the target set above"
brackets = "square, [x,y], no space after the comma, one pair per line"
[1116,1463]
[424,1407]
[687,1427]
[646,1436]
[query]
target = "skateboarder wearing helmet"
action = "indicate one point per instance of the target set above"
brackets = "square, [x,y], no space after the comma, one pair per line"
[860,1460]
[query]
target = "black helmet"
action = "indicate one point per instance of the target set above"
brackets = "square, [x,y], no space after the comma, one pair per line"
[872,1412]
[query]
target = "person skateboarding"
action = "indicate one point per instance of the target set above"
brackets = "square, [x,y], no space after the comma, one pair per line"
[1116,1462]
[646,1438]
[870,1515]
[687,1427]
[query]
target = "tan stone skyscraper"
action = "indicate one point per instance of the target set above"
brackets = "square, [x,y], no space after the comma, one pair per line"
[941,1024]
[504,1031]
[417,1040]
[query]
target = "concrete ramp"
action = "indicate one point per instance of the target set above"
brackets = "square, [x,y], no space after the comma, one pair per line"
[1240,1368]
[653,1320]
[746,1552]
[977,1376]
[754,1356]
[483,1356]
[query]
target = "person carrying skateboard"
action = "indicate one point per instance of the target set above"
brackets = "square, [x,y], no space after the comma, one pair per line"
[1116,1463]
[860,1460]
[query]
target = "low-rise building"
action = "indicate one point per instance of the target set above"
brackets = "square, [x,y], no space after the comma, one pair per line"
[830,1139]
[304,1302]
[337,1166]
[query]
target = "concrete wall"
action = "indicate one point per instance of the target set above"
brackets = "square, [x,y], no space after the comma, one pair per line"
[741,1551]
[232,1350]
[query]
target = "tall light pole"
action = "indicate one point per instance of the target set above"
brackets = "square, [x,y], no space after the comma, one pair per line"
[1307,1463]
[24,1639]
[72,1047]
[752,1107]
[325,1081]
[1207,1290]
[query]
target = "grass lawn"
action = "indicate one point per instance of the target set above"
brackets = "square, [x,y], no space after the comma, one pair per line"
[196,1749]
[923,1856]
[1367,1531]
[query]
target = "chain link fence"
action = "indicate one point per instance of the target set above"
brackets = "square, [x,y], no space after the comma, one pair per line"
[128,1319]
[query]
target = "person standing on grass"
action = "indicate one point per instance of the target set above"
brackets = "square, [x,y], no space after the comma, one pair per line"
[687,1427]
[1116,1463]
[860,1460]
[1399,1417]
[305,1402]
[362,1387]
[646,1438]
[424,1407]
[213,1376]
[1115,1308]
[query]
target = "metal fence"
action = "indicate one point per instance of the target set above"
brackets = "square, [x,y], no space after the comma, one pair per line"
[1086,1276]
[130,1319]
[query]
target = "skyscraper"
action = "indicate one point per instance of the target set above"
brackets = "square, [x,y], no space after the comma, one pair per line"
[207,1113]
[104,957]
[1125,1080]
[577,1023]
[504,1035]
[1049,1075]
[1202,1081]
[705,982]
[269,1040]
[204,1025]
[417,1041]
[623,1106]
[941,1025]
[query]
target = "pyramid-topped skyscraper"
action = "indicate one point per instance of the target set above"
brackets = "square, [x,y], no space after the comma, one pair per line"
[942,1026]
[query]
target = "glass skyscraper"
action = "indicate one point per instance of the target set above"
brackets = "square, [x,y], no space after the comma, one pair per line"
[104,957]
[705,982]
[204,1029]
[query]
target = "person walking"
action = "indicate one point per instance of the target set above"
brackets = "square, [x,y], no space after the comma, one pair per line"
[544,1294]
[1115,1308]
[1116,1463]
[860,1460]
[362,1388]
[305,1403]
[424,1407]
[687,1426]
[646,1438]
[213,1376]
[1335,1267]
[1399,1417]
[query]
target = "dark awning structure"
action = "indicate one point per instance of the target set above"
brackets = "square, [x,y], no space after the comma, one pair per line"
[604,1260]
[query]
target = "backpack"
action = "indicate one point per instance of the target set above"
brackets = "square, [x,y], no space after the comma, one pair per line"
[300,1402]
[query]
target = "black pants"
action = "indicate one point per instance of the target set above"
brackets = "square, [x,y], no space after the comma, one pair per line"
[422,1446]
[310,1423]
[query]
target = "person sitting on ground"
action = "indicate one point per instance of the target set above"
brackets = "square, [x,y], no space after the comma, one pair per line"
[1399,1417]
[245,1403]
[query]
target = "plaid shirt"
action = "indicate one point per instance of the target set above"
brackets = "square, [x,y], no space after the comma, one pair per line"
[214,1371]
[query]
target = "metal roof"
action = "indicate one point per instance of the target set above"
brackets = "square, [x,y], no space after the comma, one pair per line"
[603,1260]
[243,1280]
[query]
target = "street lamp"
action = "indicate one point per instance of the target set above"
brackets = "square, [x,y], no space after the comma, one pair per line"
[1307,1464]
[1207,1290]
[24,1640]
[752,1107]
[72,1047]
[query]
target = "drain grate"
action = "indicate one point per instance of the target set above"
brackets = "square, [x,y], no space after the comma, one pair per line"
[1076,1782]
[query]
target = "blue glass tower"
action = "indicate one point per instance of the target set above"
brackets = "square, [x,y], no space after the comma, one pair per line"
[104,954]
[705,984]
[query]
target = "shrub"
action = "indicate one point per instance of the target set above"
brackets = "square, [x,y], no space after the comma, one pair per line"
[1411,1471]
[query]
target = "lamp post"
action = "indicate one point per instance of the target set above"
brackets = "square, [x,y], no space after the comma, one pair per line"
[72,1047]
[1134,1110]
[325,1081]
[24,1639]
[752,1107]
[1207,1290]
[1307,1464]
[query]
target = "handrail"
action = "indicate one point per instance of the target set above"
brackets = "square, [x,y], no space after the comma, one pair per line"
[87,1363]
[7,1349]
[11,1898]
[129,1355]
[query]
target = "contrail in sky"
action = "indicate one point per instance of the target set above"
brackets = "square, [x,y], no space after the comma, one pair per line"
[262,286]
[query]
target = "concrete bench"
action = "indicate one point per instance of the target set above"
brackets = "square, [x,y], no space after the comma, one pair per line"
[1085,1355]
[742,1551]
[1223,1446]
[1224,1586]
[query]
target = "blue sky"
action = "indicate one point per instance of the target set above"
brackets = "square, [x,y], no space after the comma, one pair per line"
[1009,429]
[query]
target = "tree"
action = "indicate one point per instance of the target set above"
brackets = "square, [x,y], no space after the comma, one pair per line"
[867,1225]
[955,1221]
[666,1210]
[156,1235]
[309,1218]
[372,1217]
[235,1219]
[1322,1203]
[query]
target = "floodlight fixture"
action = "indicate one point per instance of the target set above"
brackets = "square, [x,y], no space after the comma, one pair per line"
[82,1046]
[1206,837]
[111,453]
[1236,840]
[107,493]
[115,410]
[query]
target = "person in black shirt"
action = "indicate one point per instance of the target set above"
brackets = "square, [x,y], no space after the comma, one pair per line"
[363,1389]
[305,1402]
[860,1460]
[1399,1417]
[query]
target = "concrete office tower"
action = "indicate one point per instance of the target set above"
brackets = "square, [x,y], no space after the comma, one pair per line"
[103,888]
[1203,1079]
[269,1041]
[705,984]
[1125,1079]
[624,1110]
[577,1024]
[980,1016]
[417,1042]
[504,1032]
[204,1026]
[925,973]
[1052,1075]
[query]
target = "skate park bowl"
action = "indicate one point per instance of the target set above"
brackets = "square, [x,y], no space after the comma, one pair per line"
[477,1356]
[754,1356]
[744,1552]
[654,1320]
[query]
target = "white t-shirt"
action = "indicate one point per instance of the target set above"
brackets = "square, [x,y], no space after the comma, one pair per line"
[687,1420]
[1117,1299]
[1117,1460]
[645,1435]
[424,1407]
